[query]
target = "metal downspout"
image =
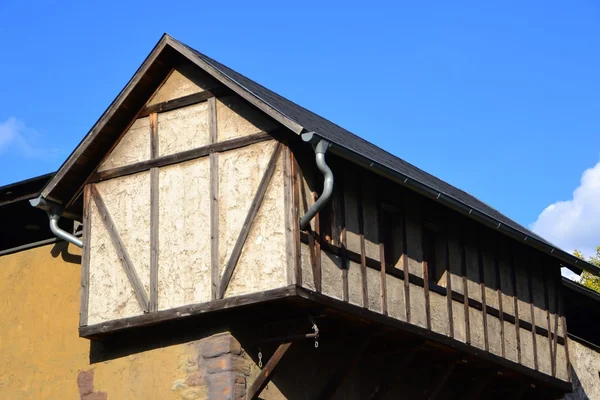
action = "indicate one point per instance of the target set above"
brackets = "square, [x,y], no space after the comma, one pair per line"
[320,147]
[54,211]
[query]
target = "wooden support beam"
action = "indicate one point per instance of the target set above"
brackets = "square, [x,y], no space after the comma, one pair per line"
[382,272]
[296,207]
[500,305]
[483,299]
[558,287]
[154,216]
[463,261]
[290,220]
[513,273]
[214,200]
[425,269]
[266,374]
[561,312]
[317,272]
[532,311]
[437,388]
[334,383]
[344,242]
[85,261]
[187,155]
[405,264]
[236,252]
[545,278]
[363,250]
[181,102]
[448,285]
[126,263]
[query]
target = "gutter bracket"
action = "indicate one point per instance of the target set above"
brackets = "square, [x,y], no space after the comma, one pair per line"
[54,211]
[320,147]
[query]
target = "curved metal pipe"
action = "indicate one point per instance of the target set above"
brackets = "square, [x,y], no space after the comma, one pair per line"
[54,210]
[320,150]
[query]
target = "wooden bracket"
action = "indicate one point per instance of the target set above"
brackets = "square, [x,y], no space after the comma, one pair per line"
[266,374]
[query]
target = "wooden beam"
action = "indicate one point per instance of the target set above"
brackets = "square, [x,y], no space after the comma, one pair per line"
[214,200]
[363,250]
[442,381]
[154,216]
[448,285]
[181,102]
[463,261]
[486,340]
[236,252]
[500,305]
[296,207]
[558,287]
[547,306]
[290,220]
[340,373]
[532,310]
[126,263]
[565,331]
[344,240]
[425,269]
[516,305]
[382,272]
[187,155]
[404,258]
[317,272]
[266,374]
[84,294]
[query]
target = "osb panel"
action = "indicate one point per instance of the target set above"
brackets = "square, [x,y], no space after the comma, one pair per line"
[183,129]
[526,348]
[262,263]
[128,202]
[476,328]
[439,313]
[184,234]
[331,275]
[586,364]
[417,306]
[510,342]
[305,263]
[355,294]
[494,335]
[543,354]
[396,298]
[133,147]
[374,289]
[236,119]
[183,81]
[240,172]
[458,318]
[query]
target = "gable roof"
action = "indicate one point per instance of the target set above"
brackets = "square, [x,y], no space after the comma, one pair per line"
[71,176]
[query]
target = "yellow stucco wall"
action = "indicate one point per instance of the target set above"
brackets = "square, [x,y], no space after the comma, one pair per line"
[41,354]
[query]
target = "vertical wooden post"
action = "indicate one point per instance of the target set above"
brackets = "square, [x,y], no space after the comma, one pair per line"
[296,207]
[425,266]
[154,216]
[363,255]
[381,239]
[448,283]
[500,305]
[344,242]
[85,262]
[483,299]
[548,325]
[290,221]
[317,274]
[214,202]
[565,331]
[516,305]
[463,260]
[405,265]
[532,310]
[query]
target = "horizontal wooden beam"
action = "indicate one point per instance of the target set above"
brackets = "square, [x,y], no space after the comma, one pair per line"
[266,374]
[97,331]
[181,102]
[418,281]
[181,157]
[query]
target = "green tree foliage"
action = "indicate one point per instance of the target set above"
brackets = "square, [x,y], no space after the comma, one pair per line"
[588,280]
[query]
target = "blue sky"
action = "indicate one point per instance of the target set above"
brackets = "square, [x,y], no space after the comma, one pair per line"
[501,99]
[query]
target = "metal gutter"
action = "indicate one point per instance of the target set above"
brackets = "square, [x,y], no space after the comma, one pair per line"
[54,211]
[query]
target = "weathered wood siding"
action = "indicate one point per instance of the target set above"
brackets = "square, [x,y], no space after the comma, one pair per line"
[188,232]
[512,299]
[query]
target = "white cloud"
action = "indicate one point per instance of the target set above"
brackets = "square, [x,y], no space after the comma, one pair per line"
[575,223]
[26,142]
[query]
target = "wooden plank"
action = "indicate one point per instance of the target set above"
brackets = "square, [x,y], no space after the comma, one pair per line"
[214,200]
[565,331]
[500,305]
[84,294]
[558,287]
[442,381]
[340,373]
[547,306]
[483,300]
[154,239]
[296,207]
[382,272]
[126,263]
[463,261]
[425,266]
[405,263]
[363,250]
[532,310]
[252,212]
[187,155]
[154,219]
[290,221]
[344,241]
[180,102]
[513,273]
[266,374]
[317,272]
[448,285]
[106,328]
